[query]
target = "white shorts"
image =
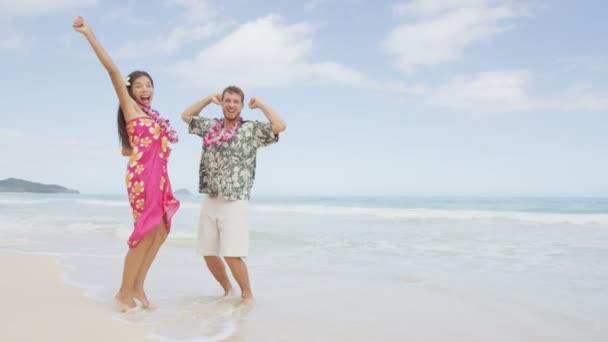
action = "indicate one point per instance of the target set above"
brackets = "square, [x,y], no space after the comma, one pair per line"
[223,228]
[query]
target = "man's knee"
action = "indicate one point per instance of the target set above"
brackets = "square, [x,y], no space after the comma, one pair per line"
[212,258]
[231,259]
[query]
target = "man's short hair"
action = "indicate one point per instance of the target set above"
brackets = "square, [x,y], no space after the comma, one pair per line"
[234,90]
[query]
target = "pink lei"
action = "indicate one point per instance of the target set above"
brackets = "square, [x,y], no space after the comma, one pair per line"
[216,134]
[164,123]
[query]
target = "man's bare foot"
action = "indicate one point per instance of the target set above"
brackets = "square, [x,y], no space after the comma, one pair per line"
[227,291]
[247,298]
[140,295]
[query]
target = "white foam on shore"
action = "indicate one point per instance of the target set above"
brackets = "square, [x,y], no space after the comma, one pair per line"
[376,212]
[438,214]
[103,203]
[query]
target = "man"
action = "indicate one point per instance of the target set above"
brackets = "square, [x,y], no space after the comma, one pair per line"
[227,173]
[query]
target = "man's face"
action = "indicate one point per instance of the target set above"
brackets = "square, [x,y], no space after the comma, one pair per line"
[231,105]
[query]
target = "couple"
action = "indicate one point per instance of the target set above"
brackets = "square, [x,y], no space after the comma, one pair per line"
[227,172]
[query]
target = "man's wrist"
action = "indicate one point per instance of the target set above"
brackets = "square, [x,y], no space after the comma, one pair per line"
[261,105]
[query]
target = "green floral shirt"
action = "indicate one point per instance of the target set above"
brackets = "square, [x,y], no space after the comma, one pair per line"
[227,169]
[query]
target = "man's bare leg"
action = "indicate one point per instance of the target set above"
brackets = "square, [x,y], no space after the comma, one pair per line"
[239,271]
[217,268]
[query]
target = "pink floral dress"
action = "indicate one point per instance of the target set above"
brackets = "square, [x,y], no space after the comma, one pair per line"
[147,179]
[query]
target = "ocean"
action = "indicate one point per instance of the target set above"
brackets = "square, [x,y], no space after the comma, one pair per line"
[349,268]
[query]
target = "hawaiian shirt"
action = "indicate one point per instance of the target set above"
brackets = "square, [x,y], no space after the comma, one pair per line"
[227,169]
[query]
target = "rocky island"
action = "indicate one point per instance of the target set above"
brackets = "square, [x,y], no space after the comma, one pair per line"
[182,192]
[20,185]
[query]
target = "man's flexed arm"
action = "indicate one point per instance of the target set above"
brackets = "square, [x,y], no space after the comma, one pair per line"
[196,108]
[277,123]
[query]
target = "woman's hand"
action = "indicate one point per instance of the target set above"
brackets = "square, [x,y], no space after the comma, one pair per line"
[126,151]
[81,25]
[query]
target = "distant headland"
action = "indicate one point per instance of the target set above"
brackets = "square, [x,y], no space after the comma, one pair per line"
[20,185]
[182,191]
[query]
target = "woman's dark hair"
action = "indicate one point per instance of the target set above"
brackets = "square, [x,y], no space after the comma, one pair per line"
[122,123]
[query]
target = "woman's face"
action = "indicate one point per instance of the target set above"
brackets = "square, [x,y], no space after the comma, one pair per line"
[142,90]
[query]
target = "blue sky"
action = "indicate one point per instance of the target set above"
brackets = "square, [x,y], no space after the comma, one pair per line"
[409,98]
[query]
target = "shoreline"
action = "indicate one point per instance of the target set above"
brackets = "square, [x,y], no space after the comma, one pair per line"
[39,306]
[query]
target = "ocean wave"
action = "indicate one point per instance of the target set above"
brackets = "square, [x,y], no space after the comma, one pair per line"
[438,214]
[26,201]
[191,205]
[34,201]
[103,203]
[125,203]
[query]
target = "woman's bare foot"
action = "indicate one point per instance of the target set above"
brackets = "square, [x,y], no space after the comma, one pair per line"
[140,295]
[227,291]
[124,302]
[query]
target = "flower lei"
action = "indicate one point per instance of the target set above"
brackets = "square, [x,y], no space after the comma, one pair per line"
[216,134]
[155,115]
[164,123]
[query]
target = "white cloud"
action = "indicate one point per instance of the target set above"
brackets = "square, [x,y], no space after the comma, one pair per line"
[486,91]
[170,43]
[196,10]
[508,90]
[199,23]
[35,7]
[438,31]
[11,38]
[427,8]
[582,97]
[397,87]
[266,52]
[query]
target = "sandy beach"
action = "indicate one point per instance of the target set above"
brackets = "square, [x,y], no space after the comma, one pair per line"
[38,306]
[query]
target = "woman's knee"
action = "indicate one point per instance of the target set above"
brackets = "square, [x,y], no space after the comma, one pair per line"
[160,234]
[147,240]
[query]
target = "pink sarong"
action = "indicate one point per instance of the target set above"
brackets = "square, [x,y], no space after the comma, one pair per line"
[147,179]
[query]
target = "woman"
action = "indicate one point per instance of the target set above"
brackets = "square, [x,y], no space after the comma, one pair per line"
[145,137]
